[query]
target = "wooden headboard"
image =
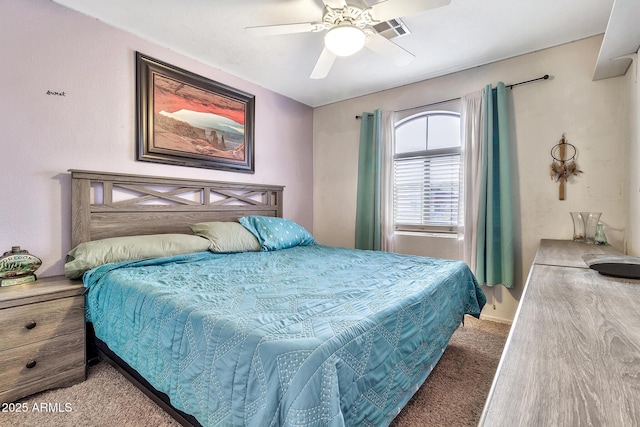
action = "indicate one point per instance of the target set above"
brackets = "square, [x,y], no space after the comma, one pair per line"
[107,204]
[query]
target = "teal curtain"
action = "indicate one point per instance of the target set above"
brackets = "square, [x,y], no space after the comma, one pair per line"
[368,208]
[494,256]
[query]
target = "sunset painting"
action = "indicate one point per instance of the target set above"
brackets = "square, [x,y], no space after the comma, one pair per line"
[192,121]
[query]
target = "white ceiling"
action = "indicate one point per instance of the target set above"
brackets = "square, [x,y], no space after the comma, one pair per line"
[462,35]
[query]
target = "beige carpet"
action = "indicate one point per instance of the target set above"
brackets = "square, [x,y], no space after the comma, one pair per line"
[453,395]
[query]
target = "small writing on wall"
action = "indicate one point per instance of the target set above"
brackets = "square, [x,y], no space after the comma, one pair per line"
[56,93]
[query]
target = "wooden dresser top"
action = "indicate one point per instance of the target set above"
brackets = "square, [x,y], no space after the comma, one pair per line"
[43,289]
[567,253]
[573,354]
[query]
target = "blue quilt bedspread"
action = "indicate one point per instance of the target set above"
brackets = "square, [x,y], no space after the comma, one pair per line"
[306,336]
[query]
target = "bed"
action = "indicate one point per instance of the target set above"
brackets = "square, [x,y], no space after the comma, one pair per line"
[294,333]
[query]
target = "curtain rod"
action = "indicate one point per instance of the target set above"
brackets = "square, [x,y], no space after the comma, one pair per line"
[510,86]
[545,77]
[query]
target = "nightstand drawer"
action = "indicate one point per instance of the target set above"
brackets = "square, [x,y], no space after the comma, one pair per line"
[30,323]
[41,360]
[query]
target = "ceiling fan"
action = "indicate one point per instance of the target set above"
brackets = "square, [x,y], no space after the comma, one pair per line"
[350,28]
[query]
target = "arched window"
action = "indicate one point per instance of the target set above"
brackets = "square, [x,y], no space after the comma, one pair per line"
[427,184]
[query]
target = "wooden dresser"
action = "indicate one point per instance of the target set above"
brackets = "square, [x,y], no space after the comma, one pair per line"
[42,336]
[573,354]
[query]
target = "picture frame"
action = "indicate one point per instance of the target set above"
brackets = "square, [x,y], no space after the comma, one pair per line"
[188,120]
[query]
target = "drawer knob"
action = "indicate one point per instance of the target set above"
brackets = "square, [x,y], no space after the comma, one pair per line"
[30,325]
[31,364]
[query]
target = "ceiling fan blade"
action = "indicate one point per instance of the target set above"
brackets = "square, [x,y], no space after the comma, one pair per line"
[392,9]
[335,4]
[388,49]
[324,64]
[271,30]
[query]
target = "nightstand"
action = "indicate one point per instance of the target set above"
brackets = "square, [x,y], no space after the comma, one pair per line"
[42,336]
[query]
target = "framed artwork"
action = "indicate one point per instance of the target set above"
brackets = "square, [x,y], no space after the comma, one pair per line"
[188,120]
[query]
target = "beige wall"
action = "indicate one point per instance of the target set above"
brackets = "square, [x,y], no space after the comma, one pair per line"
[592,114]
[633,161]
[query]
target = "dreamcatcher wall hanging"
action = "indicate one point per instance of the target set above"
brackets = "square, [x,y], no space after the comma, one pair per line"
[564,163]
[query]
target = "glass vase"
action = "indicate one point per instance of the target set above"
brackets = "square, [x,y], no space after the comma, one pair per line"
[591,220]
[600,238]
[578,226]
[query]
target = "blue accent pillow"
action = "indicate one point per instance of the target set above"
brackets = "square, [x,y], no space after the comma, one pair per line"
[276,233]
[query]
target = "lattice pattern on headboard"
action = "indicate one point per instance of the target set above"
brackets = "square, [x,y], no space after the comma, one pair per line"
[111,204]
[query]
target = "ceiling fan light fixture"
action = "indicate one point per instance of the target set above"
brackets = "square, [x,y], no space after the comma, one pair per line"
[344,40]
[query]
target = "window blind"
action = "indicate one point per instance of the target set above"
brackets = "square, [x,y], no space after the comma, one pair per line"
[427,192]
